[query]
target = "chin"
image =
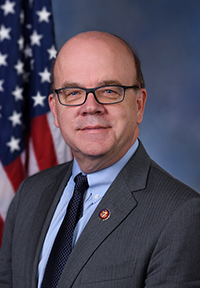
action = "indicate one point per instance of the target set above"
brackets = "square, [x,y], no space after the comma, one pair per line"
[93,151]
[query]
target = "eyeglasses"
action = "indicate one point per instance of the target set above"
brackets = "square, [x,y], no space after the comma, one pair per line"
[76,96]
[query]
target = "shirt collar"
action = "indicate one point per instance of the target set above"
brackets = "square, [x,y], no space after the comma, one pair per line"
[101,180]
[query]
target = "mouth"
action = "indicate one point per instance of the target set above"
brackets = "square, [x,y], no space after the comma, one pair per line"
[97,129]
[93,127]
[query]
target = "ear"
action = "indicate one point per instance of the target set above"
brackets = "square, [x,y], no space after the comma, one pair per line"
[141,101]
[53,107]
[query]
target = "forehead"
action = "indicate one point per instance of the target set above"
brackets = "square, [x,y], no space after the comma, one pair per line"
[87,60]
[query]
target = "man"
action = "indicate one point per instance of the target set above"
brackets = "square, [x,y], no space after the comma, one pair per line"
[139,226]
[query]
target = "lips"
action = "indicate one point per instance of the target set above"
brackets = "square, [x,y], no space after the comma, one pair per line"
[93,127]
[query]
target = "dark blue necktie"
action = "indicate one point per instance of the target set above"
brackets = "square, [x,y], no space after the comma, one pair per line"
[62,246]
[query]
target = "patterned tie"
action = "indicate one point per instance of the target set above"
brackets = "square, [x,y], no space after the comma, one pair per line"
[62,246]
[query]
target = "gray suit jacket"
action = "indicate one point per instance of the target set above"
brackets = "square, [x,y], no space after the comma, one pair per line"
[152,238]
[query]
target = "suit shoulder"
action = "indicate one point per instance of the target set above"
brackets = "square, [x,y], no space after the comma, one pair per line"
[52,170]
[47,176]
[145,175]
[163,182]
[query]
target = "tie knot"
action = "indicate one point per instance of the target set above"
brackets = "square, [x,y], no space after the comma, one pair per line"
[81,183]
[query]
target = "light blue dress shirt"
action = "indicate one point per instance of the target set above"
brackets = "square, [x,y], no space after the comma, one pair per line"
[99,182]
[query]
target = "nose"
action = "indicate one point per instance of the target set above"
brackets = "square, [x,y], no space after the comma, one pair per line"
[91,106]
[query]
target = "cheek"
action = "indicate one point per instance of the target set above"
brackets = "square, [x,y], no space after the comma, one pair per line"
[124,121]
[129,113]
[129,127]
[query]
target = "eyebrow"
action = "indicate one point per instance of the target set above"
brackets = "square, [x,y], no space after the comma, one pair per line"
[102,83]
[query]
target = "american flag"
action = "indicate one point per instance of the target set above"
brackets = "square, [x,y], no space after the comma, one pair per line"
[29,141]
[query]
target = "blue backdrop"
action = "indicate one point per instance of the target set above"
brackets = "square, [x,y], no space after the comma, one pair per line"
[166,34]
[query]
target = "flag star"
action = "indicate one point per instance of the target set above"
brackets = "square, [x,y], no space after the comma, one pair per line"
[13,144]
[31,3]
[32,64]
[4,33]
[19,67]
[15,118]
[28,52]
[18,93]
[35,38]
[8,7]
[38,99]
[21,17]
[52,52]
[43,15]
[26,76]
[3,59]
[21,43]
[28,26]
[1,85]
[45,76]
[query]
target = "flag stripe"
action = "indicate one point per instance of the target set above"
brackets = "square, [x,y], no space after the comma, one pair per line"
[32,163]
[6,192]
[43,146]
[15,172]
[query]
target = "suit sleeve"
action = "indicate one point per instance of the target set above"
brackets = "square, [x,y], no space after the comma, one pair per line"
[6,248]
[175,261]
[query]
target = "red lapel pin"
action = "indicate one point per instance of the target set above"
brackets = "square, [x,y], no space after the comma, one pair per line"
[104,214]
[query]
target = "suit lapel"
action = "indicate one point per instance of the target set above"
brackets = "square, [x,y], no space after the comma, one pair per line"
[120,201]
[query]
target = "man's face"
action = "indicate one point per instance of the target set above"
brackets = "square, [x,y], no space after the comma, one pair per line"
[99,135]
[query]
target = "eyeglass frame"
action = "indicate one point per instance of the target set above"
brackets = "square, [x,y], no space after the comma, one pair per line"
[92,90]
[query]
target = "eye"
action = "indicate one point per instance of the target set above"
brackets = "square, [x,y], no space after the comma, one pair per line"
[109,91]
[73,92]
[112,91]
